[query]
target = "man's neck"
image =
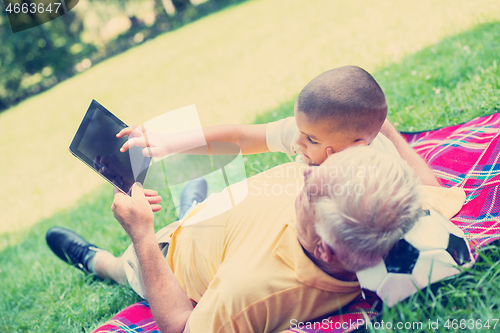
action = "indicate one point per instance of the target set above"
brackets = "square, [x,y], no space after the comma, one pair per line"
[334,269]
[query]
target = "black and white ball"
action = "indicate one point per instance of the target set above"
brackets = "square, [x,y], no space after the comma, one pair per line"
[431,251]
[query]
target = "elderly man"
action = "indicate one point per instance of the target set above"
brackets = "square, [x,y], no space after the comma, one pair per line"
[288,253]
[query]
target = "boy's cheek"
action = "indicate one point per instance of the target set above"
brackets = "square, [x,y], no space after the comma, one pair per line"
[320,158]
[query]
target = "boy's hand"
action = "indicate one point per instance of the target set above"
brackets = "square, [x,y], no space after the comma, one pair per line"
[160,145]
[151,195]
[154,199]
[154,145]
[135,213]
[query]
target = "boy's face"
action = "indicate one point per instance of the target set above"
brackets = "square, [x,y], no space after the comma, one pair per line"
[314,139]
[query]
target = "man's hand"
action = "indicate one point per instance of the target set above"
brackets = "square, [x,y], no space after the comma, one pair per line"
[169,303]
[135,212]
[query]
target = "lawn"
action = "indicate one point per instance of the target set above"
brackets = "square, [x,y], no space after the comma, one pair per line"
[445,83]
[233,65]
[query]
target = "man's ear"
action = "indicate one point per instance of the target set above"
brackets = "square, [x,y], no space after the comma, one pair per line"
[307,172]
[324,252]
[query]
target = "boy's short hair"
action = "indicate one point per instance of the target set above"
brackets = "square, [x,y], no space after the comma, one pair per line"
[383,204]
[349,96]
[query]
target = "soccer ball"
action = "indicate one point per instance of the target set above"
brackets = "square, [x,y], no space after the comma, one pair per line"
[427,253]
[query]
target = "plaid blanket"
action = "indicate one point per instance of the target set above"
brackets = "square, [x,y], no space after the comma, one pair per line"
[464,155]
[467,156]
[138,318]
[133,319]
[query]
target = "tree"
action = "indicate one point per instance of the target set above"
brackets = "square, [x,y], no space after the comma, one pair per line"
[181,5]
[38,53]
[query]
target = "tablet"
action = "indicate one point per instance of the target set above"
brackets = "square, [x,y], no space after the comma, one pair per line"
[95,143]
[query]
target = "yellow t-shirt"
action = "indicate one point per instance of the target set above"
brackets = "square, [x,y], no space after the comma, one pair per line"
[246,268]
[447,201]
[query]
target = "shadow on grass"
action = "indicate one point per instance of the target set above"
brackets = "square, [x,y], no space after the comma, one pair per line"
[447,83]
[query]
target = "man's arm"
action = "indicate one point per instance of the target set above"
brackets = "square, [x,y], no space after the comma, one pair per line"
[250,138]
[422,170]
[169,303]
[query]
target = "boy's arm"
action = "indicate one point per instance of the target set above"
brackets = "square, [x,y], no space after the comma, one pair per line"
[422,170]
[250,138]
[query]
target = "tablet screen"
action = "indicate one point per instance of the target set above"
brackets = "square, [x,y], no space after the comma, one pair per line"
[96,144]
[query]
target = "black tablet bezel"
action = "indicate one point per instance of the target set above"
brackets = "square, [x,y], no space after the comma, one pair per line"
[80,135]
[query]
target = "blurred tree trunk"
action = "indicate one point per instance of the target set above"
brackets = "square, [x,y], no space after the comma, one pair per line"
[161,14]
[181,5]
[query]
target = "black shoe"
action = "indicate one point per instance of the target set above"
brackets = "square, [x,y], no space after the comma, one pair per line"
[195,190]
[71,247]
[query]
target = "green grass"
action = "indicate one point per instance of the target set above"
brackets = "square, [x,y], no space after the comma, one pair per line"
[447,83]
[41,294]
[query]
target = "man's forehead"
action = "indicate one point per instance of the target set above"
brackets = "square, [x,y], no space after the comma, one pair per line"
[317,173]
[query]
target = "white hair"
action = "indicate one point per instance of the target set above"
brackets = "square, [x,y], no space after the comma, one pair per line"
[363,224]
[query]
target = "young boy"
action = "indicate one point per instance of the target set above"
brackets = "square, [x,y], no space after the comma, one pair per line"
[340,108]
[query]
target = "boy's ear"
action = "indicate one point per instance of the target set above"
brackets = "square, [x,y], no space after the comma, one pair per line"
[360,142]
[324,252]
